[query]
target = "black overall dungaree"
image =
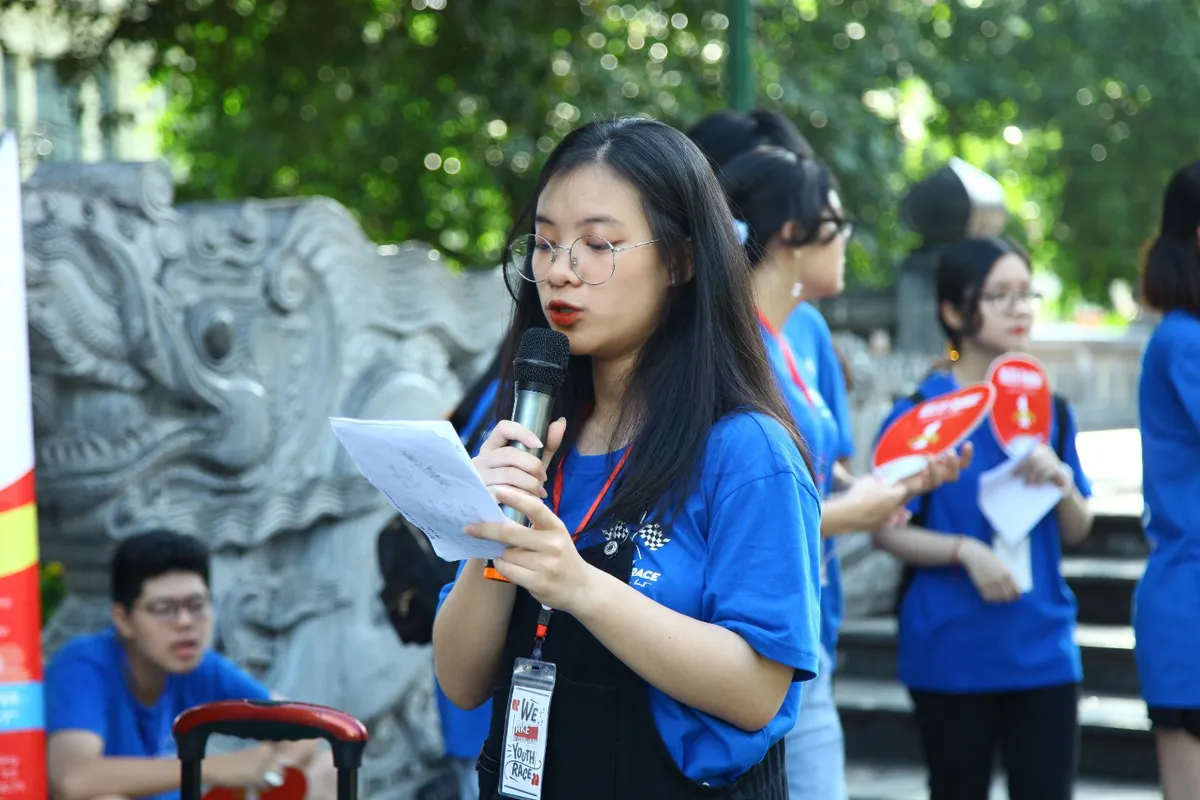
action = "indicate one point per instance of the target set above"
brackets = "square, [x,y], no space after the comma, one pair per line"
[603,742]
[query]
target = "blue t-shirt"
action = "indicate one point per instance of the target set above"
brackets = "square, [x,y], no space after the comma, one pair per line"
[743,553]
[812,343]
[1166,617]
[463,732]
[951,640]
[820,431]
[86,690]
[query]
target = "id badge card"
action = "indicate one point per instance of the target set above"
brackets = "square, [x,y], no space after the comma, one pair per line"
[523,760]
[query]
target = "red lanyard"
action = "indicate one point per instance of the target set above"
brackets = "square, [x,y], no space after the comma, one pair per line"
[558,485]
[543,622]
[787,356]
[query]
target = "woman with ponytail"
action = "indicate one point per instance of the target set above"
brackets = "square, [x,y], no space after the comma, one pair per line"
[791,222]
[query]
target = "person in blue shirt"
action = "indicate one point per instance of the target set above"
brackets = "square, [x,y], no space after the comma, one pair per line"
[674,517]
[989,667]
[794,231]
[812,341]
[111,697]
[1166,610]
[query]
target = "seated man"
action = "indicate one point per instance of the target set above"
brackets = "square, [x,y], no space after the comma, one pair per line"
[111,697]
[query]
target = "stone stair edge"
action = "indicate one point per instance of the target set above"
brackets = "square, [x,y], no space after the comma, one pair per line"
[1108,712]
[867,781]
[883,629]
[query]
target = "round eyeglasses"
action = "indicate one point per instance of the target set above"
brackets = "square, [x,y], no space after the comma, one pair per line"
[1007,301]
[594,262]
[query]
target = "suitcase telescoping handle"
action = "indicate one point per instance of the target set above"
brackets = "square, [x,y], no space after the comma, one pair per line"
[269,721]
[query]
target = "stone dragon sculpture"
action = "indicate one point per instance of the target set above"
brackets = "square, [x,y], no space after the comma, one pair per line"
[185,362]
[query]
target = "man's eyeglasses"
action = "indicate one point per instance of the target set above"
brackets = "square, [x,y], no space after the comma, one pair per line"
[168,609]
[531,257]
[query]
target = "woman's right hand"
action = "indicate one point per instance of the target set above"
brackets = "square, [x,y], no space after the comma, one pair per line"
[501,464]
[993,580]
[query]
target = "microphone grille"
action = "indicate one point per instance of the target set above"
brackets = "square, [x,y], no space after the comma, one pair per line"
[542,358]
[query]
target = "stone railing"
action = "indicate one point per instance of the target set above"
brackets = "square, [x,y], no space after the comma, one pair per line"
[1095,370]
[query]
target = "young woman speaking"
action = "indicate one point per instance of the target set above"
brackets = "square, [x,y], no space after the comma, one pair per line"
[674,519]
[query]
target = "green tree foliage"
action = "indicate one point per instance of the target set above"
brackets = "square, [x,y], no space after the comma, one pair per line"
[430,118]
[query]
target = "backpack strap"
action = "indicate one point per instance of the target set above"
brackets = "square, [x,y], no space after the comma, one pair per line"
[1061,413]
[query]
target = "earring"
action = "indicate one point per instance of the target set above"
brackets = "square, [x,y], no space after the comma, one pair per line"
[952,353]
[797,288]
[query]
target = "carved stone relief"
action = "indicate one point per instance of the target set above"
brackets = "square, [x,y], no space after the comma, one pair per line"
[185,363]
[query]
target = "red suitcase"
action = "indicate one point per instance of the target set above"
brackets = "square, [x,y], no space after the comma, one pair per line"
[269,721]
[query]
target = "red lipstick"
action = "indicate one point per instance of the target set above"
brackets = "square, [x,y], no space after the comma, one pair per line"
[563,314]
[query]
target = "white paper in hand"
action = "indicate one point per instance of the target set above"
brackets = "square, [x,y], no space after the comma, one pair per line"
[1018,558]
[423,469]
[1012,506]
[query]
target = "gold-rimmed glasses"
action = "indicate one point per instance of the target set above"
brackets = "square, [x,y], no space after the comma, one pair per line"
[531,256]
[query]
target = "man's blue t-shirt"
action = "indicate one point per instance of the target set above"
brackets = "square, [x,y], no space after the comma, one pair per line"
[951,639]
[812,342]
[1166,616]
[463,732]
[86,690]
[817,425]
[743,553]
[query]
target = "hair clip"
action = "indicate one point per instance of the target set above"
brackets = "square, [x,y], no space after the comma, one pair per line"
[743,231]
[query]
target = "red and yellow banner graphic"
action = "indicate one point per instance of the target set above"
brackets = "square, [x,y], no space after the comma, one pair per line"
[22,736]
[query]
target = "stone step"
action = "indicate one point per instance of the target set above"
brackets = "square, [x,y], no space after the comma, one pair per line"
[1116,529]
[883,782]
[867,649]
[877,716]
[1104,587]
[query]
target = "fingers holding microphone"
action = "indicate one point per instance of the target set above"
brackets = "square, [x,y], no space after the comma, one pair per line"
[500,463]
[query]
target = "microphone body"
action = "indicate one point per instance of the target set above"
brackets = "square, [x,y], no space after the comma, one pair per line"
[540,369]
[531,408]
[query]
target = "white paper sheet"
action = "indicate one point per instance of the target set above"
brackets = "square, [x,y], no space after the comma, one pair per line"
[1019,560]
[1012,506]
[423,469]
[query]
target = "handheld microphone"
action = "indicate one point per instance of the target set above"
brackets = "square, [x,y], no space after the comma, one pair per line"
[539,371]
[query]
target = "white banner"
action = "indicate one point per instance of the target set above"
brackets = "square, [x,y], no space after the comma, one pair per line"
[16,420]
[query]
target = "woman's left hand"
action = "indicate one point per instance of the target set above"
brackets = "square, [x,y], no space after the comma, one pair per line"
[542,558]
[1043,466]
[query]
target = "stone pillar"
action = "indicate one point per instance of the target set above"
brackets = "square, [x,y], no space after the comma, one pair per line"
[957,202]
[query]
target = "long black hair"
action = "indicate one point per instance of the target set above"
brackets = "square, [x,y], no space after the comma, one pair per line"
[705,358]
[769,187]
[1171,274]
[962,271]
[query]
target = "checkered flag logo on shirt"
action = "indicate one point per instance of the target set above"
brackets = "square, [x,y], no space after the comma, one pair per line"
[652,536]
[617,532]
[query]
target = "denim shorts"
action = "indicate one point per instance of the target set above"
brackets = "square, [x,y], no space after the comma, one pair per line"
[815,749]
